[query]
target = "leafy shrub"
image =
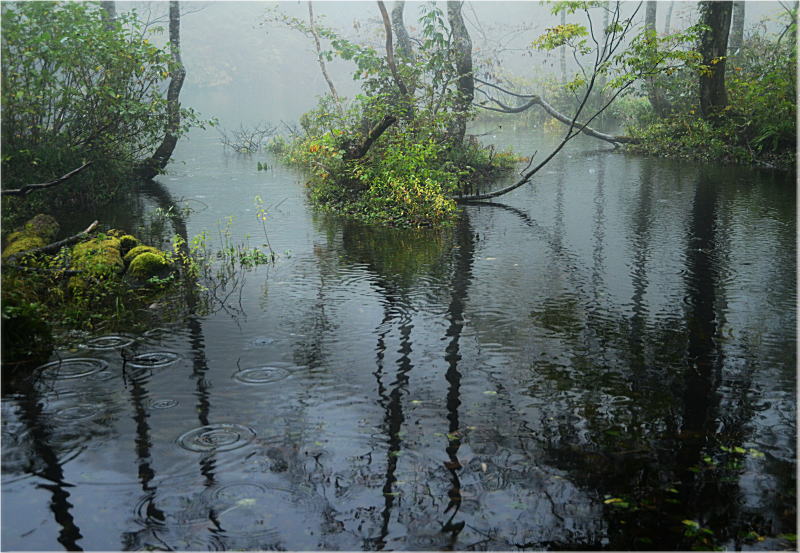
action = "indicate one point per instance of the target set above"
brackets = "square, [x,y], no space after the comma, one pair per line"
[76,88]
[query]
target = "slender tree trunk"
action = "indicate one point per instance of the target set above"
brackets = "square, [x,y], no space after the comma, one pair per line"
[387,27]
[321,61]
[737,28]
[654,93]
[462,50]
[405,50]
[668,21]
[716,15]
[563,50]
[404,47]
[158,162]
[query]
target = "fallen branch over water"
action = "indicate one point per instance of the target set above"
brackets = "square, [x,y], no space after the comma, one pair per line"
[28,188]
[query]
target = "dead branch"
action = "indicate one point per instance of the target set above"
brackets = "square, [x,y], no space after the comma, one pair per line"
[313,29]
[374,134]
[28,188]
[535,100]
[55,246]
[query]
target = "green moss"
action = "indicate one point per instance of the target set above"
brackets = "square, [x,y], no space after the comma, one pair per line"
[98,257]
[44,226]
[134,252]
[22,243]
[37,232]
[127,242]
[147,265]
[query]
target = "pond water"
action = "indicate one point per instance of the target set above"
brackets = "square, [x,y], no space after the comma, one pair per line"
[606,359]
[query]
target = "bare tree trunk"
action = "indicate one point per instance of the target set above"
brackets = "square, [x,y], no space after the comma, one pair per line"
[314,33]
[737,28]
[654,93]
[716,16]
[387,27]
[669,18]
[462,49]
[158,162]
[563,50]
[404,47]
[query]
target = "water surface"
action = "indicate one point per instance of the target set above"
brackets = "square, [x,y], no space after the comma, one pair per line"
[602,359]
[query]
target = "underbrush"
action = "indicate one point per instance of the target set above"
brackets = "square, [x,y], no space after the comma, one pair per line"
[408,178]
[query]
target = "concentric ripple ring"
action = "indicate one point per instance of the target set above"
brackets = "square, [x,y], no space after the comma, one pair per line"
[109,342]
[154,359]
[77,412]
[260,375]
[75,367]
[165,403]
[216,437]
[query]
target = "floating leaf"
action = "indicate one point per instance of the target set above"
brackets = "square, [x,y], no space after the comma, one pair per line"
[490,393]
[613,500]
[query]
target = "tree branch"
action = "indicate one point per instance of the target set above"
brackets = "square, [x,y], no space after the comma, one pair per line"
[374,134]
[538,100]
[313,29]
[28,188]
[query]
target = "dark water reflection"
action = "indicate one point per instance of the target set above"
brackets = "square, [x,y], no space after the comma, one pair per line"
[604,359]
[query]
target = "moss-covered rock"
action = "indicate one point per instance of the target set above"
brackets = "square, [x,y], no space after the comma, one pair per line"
[37,232]
[22,242]
[127,242]
[147,265]
[44,226]
[98,257]
[134,252]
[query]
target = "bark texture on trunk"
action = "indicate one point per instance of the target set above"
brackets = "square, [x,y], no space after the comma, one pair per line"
[462,50]
[716,15]
[158,162]
[387,27]
[404,47]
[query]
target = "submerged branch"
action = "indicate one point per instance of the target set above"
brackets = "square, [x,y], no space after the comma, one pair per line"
[28,188]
